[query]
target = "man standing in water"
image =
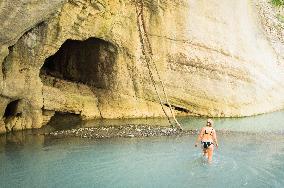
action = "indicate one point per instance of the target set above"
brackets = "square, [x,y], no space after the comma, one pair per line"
[208,139]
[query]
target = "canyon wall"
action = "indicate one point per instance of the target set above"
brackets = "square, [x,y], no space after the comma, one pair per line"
[84,57]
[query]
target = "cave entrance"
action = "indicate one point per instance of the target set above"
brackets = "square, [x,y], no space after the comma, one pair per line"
[90,62]
[12,109]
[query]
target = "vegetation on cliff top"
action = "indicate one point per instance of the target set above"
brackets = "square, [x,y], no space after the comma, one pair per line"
[278,3]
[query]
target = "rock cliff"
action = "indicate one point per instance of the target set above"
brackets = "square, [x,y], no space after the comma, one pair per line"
[84,57]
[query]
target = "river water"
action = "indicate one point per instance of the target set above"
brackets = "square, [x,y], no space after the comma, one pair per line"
[250,156]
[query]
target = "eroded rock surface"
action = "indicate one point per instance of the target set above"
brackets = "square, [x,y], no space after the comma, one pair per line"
[84,57]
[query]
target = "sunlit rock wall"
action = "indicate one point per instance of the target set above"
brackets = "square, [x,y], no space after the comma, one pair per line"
[215,58]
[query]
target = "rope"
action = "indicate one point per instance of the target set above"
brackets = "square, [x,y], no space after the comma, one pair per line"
[148,54]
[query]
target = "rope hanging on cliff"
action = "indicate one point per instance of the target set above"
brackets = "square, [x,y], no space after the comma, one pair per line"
[148,54]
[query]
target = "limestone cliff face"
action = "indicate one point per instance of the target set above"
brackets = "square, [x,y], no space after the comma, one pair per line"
[84,57]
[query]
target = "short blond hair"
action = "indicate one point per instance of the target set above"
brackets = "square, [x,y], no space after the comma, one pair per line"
[211,122]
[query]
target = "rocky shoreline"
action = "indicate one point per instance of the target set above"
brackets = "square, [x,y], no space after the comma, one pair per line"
[127,131]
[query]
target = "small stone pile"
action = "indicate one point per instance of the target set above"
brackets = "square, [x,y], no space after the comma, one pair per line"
[128,131]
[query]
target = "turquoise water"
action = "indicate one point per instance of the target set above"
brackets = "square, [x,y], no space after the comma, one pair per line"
[253,156]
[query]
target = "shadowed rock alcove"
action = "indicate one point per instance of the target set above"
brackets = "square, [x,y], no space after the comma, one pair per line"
[73,77]
[12,109]
[89,62]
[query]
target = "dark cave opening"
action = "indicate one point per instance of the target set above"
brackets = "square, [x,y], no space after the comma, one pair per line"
[12,109]
[90,62]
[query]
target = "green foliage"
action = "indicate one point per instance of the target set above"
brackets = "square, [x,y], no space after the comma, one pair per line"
[280,18]
[278,3]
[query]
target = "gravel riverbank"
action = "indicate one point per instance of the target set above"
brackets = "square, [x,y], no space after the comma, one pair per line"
[128,131]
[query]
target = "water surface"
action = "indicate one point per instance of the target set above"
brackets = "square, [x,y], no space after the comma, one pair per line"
[253,156]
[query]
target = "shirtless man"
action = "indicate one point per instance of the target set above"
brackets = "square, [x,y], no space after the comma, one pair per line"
[208,139]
